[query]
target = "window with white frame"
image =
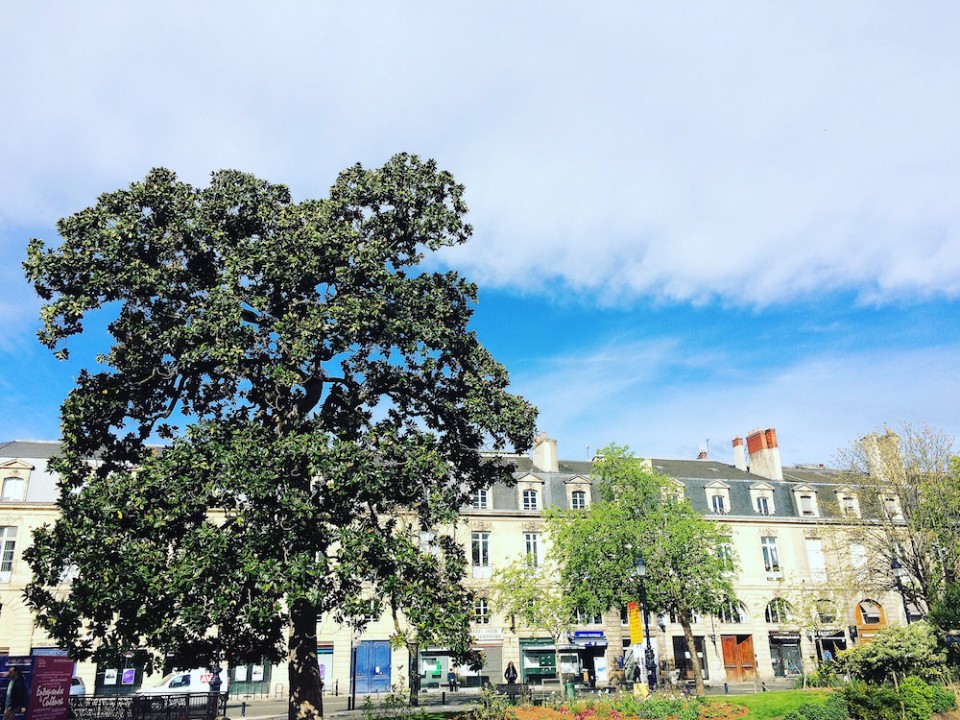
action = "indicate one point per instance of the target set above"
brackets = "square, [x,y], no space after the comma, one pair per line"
[531,548]
[826,612]
[531,500]
[585,618]
[779,611]
[771,556]
[480,499]
[480,548]
[849,506]
[718,504]
[808,505]
[891,506]
[725,552]
[481,611]
[858,556]
[816,559]
[731,611]
[763,505]
[8,544]
[578,500]
[13,488]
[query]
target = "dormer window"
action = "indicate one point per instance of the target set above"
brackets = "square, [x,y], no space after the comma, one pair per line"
[763,505]
[480,499]
[717,504]
[578,500]
[848,506]
[578,492]
[806,500]
[891,507]
[12,489]
[531,500]
[761,495]
[718,497]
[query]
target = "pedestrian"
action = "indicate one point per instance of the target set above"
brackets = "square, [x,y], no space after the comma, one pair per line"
[16,699]
[510,674]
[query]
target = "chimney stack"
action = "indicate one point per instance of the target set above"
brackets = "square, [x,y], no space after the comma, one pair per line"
[764,454]
[739,457]
[883,457]
[545,454]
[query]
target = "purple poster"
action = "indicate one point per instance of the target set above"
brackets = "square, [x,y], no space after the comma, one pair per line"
[50,688]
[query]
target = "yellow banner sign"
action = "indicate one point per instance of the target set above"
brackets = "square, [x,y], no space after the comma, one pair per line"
[636,623]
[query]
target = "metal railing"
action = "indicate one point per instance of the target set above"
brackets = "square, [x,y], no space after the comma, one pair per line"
[186,706]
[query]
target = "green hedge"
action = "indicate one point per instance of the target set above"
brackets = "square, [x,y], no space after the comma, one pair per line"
[882,702]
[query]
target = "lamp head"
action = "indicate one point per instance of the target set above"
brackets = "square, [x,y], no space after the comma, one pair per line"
[641,566]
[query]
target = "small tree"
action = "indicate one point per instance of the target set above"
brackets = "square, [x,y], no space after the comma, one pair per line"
[533,595]
[897,652]
[908,487]
[689,561]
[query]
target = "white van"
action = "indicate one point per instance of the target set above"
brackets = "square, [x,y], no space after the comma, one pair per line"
[186,681]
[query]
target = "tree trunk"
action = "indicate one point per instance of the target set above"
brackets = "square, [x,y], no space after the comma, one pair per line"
[413,652]
[694,659]
[305,702]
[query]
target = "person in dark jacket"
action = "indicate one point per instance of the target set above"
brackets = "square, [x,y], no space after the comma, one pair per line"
[16,699]
[510,674]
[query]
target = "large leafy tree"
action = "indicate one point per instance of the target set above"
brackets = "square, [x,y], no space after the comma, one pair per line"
[639,513]
[908,488]
[311,383]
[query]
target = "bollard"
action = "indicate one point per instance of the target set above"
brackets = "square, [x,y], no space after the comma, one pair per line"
[243,709]
[763,686]
[443,698]
[726,689]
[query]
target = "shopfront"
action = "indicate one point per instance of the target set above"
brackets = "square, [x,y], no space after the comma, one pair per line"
[785,654]
[829,641]
[489,642]
[537,660]
[590,647]
[683,663]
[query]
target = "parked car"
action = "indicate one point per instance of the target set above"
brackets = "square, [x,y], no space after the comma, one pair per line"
[76,686]
[185,681]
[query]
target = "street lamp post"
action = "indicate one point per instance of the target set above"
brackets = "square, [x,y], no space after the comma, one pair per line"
[650,663]
[898,572]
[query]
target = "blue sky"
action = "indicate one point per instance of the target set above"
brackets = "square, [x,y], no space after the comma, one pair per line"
[691,219]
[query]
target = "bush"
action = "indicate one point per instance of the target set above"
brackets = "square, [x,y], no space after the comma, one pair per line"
[882,702]
[905,650]
[871,702]
[835,708]
[657,708]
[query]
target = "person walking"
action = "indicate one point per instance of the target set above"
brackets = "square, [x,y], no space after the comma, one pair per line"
[16,698]
[510,674]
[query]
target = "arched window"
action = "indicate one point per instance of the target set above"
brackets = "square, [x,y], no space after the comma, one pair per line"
[826,612]
[732,611]
[869,612]
[779,611]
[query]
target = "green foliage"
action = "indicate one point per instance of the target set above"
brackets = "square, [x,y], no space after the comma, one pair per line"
[637,514]
[824,676]
[835,708]
[492,706]
[871,702]
[905,650]
[945,612]
[916,699]
[311,380]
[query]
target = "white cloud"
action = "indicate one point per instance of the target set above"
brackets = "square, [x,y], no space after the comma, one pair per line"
[756,153]
[635,394]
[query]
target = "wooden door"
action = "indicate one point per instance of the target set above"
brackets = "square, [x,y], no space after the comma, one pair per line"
[738,657]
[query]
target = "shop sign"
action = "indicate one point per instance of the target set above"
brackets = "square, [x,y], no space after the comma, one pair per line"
[487,634]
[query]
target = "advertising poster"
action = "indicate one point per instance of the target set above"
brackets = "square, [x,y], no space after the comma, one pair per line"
[129,676]
[50,688]
[110,676]
[240,673]
[256,674]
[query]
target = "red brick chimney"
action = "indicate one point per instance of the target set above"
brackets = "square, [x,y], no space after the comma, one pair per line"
[764,454]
